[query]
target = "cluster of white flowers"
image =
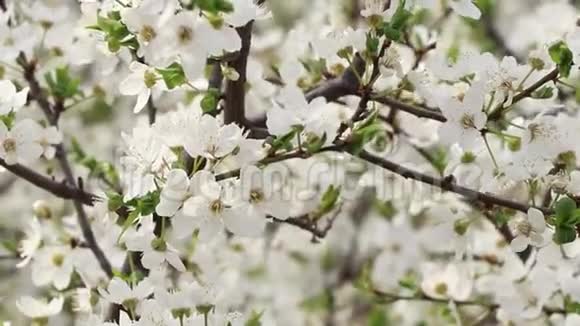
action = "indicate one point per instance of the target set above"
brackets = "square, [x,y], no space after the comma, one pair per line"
[319,162]
[23,141]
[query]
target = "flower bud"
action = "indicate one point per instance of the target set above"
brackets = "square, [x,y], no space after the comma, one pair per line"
[42,209]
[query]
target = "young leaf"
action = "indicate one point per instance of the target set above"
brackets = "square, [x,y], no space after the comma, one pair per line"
[173,75]
[565,208]
[210,101]
[564,234]
[61,84]
[563,57]
[329,199]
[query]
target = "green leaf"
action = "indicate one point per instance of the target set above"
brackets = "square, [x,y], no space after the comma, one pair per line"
[571,306]
[131,219]
[213,6]
[401,16]
[61,84]
[391,33]
[8,119]
[285,141]
[393,29]
[316,303]
[10,246]
[503,216]
[173,75]
[116,33]
[385,208]
[453,53]
[564,234]
[146,204]
[364,134]
[372,44]
[115,201]
[485,6]
[254,319]
[329,199]
[314,143]
[363,280]
[99,169]
[543,93]
[409,282]
[210,101]
[378,317]
[565,208]
[563,57]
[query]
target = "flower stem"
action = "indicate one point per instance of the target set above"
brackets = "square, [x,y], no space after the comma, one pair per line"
[490,152]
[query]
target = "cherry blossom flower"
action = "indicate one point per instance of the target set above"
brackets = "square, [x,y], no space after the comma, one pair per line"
[212,208]
[10,99]
[31,243]
[451,282]
[140,82]
[154,250]
[39,309]
[529,231]
[119,292]
[211,140]
[21,143]
[465,118]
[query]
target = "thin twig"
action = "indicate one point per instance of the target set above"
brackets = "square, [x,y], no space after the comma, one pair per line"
[52,114]
[388,297]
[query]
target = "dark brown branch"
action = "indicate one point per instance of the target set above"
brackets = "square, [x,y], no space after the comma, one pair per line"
[52,114]
[447,185]
[151,111]
[36,93]
[389,298]
[347,84]
[305,222]
[6,185]
[411,109]
[3,5]
[279,158]
[234,110]
[552,76]
[82,217]
[59,189]
[436,115]
[216,77]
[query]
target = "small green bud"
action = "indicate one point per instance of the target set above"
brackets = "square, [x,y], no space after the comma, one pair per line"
[461,226]
[150,79]
[468,157]
[216,21]
[537,63]
[158,244]
[514,144]
[41,209]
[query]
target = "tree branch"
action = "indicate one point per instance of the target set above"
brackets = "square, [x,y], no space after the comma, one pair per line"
[411,109]
[52,114]
[59,189]
[346,84]
[235,106]
[423,297]
[447,184]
